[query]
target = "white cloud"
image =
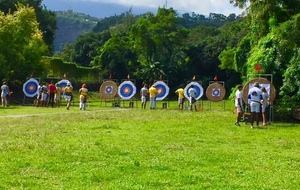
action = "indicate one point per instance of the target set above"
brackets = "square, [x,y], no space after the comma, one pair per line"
[198,6]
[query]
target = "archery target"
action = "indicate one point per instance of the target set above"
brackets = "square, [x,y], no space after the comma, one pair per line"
[198,88]
[162,90]
[30,87]
[108,89]
[215,92]
[126,90]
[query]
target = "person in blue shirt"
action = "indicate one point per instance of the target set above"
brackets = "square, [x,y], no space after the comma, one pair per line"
[255,100]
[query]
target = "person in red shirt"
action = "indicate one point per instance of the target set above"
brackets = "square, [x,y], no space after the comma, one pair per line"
[51,93]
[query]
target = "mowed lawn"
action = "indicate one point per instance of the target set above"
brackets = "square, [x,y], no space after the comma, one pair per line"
[124,148]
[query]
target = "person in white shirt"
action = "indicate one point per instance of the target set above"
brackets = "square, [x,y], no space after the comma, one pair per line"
[239,104]
[192,96]
[255,99]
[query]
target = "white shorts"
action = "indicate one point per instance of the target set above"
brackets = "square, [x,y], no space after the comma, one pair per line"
[192,101]
[239,109]
[263,108]
[57,98]
[255,107]
[44,97]
[143,99]
[180,100]
[68,98]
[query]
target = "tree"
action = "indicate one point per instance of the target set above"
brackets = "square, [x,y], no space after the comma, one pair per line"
[24,46]
[45,18]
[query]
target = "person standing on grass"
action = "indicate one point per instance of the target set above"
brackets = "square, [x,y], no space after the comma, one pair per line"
[239,104]
[180,94]
[57,95]
[68,94]
[153,93]
[51,93]
[192,96]
[144,95]
[39,95]
[44,95]
[83,93]
[255,99]
[264,105]
[4,94]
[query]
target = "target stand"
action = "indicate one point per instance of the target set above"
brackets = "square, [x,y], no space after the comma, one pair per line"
[107,93]
[198,86]
[30,89]
[215,92]
[163,90]
[127,91]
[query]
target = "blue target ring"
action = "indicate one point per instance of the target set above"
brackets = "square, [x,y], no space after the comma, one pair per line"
[109,89]
[216,92]
[162,90]
[197,87]
[30,87]
[126,90]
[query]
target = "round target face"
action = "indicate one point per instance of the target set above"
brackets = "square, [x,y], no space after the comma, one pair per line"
[126,90]
[30,87]
[216,92]
[108,89]
[162,90]
[198,88]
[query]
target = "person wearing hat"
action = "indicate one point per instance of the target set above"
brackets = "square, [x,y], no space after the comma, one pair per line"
[68,94]
[83,93]
[254,100]
[152,93]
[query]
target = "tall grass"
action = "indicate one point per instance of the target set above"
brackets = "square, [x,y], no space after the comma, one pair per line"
[118,148]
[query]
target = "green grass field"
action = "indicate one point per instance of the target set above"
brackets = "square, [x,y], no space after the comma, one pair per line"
[124,148]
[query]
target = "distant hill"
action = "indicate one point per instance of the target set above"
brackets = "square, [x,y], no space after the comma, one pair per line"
[95,9]
[70,25]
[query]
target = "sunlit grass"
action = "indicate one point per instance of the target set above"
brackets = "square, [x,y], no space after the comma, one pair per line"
[123,148]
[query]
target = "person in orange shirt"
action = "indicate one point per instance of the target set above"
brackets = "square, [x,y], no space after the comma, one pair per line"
[180,94]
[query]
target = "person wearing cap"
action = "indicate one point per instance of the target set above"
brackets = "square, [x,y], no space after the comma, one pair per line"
[192,97]
[83,93]
[255,99]
[239,104]
[68,94]
[152,93]
[57,95]
[144,93]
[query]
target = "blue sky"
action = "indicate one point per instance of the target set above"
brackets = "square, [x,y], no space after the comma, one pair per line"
[106,8]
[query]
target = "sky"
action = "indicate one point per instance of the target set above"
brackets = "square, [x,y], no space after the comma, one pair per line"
[106,8]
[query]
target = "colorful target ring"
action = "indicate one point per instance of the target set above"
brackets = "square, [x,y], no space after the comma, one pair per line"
[215,92]
[162,90]
[198,88]
[30,87]
[126,90]
[108,89]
